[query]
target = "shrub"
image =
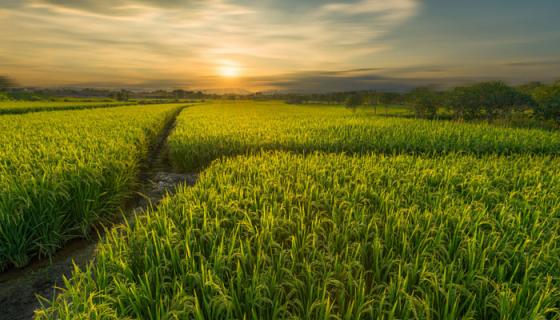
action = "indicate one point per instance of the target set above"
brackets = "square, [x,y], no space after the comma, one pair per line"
[548,102]
[353,101]
[488,100]
[424,102]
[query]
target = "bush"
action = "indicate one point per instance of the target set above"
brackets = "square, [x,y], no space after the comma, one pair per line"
[463,102]
[488,100]
[424,102]
[6,83]
[548,102]
[353,101]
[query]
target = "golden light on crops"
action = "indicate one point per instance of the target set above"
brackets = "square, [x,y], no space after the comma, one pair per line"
[229,69]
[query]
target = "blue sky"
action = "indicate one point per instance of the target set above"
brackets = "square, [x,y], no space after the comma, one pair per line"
[311,45]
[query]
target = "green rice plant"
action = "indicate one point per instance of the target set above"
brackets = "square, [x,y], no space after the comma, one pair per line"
[220,129]
[19,107]
[332,236]
[61,172]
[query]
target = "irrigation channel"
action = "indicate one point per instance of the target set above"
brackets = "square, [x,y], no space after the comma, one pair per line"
[20,288]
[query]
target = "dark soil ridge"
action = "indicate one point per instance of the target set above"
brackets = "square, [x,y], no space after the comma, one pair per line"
[20,288]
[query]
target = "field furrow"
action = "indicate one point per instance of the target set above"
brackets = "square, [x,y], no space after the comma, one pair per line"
[284,236]
[315,212]
[62,172]
[17,107]
[208,132]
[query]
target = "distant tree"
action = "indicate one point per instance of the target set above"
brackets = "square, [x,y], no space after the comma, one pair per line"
[122,95]
[179,94]
[499,99]
[488,100]
[353,101]
[548,102]
[295,99]
[530,87]
[424,102]
[6,83]
[372,100]
[389,98]
[464,102]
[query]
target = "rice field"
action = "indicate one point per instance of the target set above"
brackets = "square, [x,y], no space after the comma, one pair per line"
[315,212]
[61,172]
[208,132]
[284,236]
[19,107]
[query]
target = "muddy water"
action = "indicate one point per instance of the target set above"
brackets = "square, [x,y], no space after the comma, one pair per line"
[19,288]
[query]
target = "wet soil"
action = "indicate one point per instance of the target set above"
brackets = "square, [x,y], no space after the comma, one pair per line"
[20,288]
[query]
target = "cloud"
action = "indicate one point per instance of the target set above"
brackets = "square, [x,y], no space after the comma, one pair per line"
[133,41]
[118,7]
[391,10]
[377,79]
[534,63]
[299,82]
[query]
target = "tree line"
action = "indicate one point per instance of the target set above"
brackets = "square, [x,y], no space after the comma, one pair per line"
[9,90]
[481,101]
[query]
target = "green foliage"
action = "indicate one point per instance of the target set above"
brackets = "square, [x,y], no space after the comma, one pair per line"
[280,236]
[6,83]
[530,87]
[548,99]
[387,98]
[369,97]
[208,132]
[295,99]
[488,100]
[424,102]
[25,96]
[350,216]
[464,103]
[60,172]
[122,95]
[353,101]
[19,107]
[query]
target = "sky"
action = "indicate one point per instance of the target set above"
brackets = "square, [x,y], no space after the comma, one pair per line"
[284,45]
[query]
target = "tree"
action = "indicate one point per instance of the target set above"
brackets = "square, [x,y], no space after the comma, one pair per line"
[424,102]
[372,99]
[353,101]
[122,95]
[389,98]
[179,94]
[295,99]
[530,87]
[6,83]
[464,103]
[488,100]
[548,102]
[499,99]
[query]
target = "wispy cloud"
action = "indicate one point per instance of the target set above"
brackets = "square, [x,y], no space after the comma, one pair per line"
[534,63]
[139,40]
[118,7]
[394,10]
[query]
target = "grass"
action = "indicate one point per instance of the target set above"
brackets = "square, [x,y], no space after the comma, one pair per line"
[19,107]
[61,172]
[329,236]
[208,132]
[315,212]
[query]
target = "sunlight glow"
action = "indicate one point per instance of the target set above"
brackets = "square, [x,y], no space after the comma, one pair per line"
[229,70]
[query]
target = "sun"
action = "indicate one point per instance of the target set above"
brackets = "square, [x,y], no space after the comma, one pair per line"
[229,70]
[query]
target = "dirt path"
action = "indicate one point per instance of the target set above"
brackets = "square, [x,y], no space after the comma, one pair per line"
[19,288]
